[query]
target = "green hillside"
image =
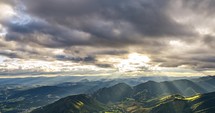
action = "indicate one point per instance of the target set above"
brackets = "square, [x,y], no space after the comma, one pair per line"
[153,89]
[196,104]
[72,104]
[115,93]
[121,98]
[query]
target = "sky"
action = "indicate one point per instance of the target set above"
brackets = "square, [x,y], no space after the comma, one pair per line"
[107,38]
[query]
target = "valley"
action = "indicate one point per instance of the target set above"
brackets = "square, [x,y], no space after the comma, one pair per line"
[182,95]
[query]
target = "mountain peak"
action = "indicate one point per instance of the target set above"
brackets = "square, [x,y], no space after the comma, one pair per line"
[71,104]
[115,93]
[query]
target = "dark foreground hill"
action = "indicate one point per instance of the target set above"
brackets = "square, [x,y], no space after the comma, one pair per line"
[73,104]
[149,97]
[204,103]
[196,104]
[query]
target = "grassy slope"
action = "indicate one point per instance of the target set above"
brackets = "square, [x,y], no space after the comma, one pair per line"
[72,104]
[123,102]
[196,104]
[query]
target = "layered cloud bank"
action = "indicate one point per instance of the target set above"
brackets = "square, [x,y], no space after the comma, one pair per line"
[107,37]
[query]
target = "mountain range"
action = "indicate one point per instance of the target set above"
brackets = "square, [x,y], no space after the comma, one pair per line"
[122,101]
[112,96]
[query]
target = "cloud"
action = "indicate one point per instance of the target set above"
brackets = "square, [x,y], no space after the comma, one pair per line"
[209,40]
[76,59]
[172,33]
[98,22]
[9,54]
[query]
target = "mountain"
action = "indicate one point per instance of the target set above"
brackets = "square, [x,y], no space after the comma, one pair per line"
[204,103]
[201,103]
[49,81]
[207,82]
[31,98]
[115,93]
[148,90]
[14,99]
[72,104]
[17,100]
[153,89]
[46,80]
[40,96]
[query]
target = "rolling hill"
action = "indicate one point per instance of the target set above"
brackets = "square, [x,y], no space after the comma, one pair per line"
[72,104]
[115,93]
[201,103]
[115,96]
[153,89]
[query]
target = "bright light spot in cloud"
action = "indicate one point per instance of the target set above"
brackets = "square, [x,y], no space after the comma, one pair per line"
[3,31]
[175,43]
[58,51]
[134,62]
[2,58]
[135,58]
[204,31]
[6,11]
[116,32]
[182,20]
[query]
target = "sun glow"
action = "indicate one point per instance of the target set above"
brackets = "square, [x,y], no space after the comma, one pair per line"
[176,43]
[134,62]
[135,58]
[7,11]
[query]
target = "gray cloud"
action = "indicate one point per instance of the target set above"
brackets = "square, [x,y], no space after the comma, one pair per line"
[85,29]
[10,54]
[209,40]
[205,7]
[104,65]
[76,59]
[8,2]
[105,22]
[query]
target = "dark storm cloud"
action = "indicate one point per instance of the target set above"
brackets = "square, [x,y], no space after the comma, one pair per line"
[209,40]
[145,15]
[132,21]
[206,66]
[45,34]
[10,54]
[76,59]
[104,65]
[112,52]
[197,62]
[27,28]
[210,59]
